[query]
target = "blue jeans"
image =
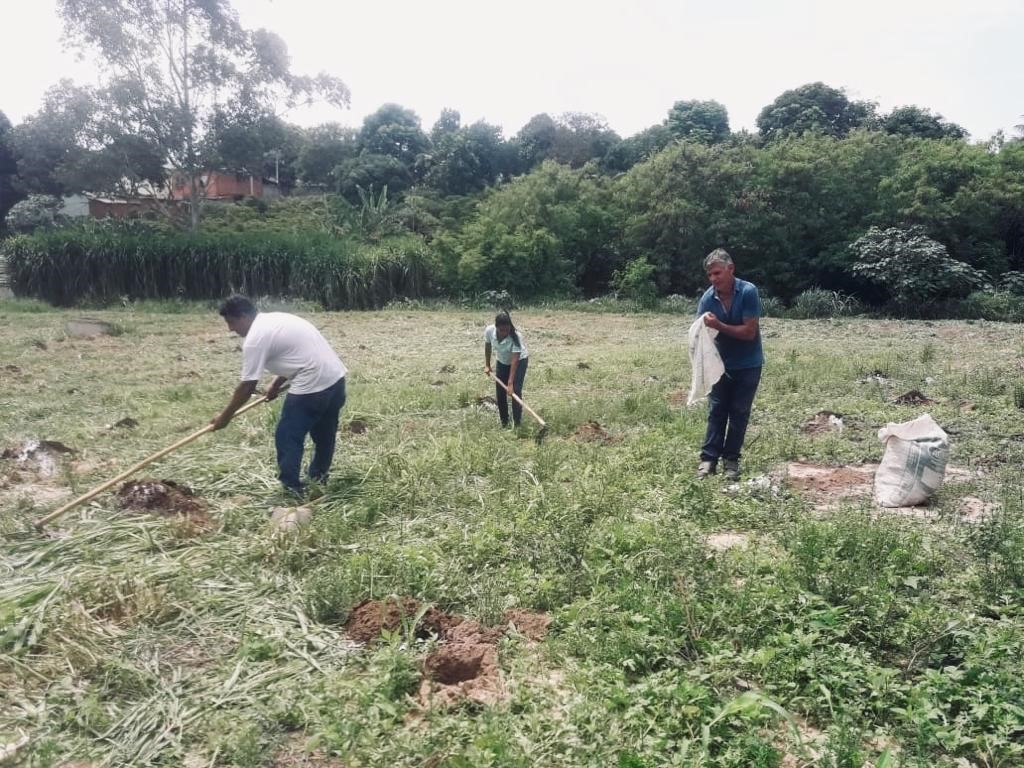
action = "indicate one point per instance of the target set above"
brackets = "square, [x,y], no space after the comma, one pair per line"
[501,395]
[730,400]
[316,415]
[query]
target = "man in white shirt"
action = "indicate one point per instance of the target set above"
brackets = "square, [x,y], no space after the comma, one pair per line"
[295,352]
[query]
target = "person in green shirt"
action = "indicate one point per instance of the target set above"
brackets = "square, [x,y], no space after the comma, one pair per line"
[508,346]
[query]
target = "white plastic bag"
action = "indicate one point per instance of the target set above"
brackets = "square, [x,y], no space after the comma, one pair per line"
[914,463]
[705,362]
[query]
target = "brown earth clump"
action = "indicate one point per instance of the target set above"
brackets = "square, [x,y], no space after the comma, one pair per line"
[913,397]
[357,427]
[528,623]
[370,618]
[593,432]
[464,667]
[164,497]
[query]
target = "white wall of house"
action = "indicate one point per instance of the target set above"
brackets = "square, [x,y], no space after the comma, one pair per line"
[75,206]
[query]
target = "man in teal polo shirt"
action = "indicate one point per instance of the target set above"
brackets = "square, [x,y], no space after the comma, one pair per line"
[733,308]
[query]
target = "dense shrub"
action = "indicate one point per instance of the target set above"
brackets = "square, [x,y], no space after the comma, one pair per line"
[821,303]
[992,305]
[911,267]
[101,264]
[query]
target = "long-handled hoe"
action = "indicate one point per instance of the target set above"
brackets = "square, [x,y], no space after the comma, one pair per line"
[543,426]
[133,469]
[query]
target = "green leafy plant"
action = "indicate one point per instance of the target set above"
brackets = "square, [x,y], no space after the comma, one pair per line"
[911,267]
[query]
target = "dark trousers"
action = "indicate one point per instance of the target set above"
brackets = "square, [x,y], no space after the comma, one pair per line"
[730,402]
[501,395]
[315,415]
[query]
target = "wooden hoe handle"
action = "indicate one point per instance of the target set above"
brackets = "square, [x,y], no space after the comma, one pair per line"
[518,399]
[133,469]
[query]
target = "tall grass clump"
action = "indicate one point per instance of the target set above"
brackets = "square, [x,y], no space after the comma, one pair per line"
[101,265]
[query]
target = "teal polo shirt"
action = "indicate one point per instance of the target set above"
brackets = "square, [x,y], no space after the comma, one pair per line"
[746,303]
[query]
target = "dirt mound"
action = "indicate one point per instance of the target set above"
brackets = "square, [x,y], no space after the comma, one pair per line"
[529,624]
[487,402]
[823,423]
[370,618]
[164,497]
[449,368]
[39,456]
[465,664]
[593,432]
[357,427]
[913,397]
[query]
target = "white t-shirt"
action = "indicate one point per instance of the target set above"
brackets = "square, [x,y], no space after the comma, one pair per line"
[286,345]
[505,348]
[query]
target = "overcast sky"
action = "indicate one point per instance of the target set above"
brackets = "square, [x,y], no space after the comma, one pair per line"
[504,61]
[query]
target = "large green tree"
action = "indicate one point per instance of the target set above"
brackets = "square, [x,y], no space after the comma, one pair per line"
[704,121]
[324,148]
[394,131]
[917,121]
[8,170]
[172,65]
[813,107]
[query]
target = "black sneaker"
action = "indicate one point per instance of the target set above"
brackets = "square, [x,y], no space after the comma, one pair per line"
[706,468]
[732,469]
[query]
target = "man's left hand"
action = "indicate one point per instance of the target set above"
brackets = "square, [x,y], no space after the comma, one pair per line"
[711,321]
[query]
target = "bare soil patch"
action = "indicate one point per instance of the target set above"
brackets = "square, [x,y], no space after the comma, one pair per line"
[88,327]
[823,423]
[593,432]
[465,664]
[828,485]
[40,457]
[726,540]
[975,510]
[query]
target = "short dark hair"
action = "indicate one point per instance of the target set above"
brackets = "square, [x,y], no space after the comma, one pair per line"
[237,306]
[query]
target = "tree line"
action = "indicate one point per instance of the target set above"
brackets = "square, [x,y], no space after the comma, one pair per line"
[828,193]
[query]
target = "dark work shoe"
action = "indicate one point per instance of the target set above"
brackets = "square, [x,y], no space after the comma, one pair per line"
[706,468]
[732,469]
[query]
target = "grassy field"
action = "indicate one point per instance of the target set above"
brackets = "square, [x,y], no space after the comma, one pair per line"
[776,622]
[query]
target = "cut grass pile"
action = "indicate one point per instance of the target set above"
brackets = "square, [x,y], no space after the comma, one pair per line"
[691,623]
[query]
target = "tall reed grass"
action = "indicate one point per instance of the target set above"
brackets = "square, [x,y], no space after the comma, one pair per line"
[99,266]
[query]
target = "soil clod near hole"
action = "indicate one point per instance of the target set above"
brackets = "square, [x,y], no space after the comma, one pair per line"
[125,423]
[465,664]
[449,368]
[913,397]
[164,497]
[583,366]
[486,401]
[593,432]
[39,456]
[357,427]
[823,423]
